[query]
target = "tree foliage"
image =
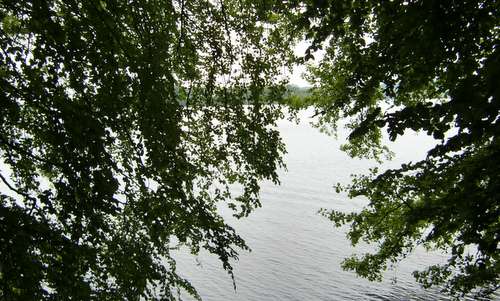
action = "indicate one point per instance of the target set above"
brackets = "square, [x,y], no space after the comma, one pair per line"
[422,65]
[122,125]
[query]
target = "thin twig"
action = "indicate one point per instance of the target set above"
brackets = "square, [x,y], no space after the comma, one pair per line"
[27,196]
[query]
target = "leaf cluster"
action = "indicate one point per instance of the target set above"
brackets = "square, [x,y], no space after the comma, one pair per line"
[429,66]
[123,125]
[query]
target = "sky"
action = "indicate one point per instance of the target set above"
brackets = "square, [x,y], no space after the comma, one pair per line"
[296,78]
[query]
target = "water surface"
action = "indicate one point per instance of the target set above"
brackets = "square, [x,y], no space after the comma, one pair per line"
[296,253]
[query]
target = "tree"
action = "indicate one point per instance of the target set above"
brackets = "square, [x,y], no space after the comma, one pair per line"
[428,66]
[122,125]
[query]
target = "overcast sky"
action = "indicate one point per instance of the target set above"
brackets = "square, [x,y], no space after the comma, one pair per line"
[298,70]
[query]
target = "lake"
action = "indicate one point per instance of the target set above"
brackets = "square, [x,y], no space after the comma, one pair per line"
[296,253]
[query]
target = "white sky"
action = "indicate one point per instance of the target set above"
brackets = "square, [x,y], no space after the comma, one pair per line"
[296,78]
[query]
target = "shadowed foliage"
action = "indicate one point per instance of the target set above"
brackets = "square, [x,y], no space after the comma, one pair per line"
[429,66]
[122,125]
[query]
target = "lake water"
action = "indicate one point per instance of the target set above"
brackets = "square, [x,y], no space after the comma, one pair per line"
[296,253]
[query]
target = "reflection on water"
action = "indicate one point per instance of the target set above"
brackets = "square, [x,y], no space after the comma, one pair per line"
[296,253]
